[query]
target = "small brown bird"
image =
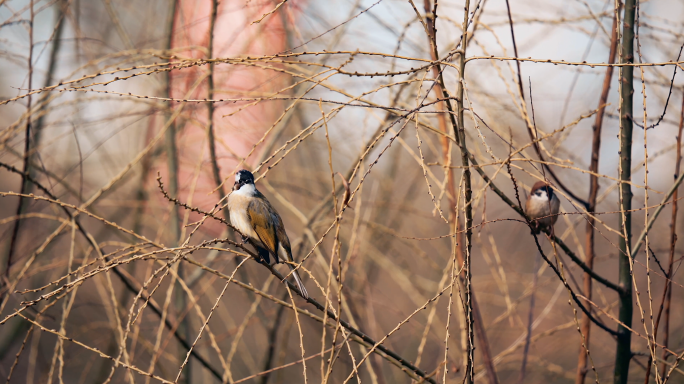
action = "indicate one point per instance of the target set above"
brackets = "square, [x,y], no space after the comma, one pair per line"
[256,219]
[542,206]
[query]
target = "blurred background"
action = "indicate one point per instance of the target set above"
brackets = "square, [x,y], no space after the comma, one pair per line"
[103,99]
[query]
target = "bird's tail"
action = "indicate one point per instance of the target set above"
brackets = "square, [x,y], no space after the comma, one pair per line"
[299,282]
[287,257]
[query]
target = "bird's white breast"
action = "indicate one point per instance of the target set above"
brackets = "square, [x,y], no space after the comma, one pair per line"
[541,207]
[237,205]
[538,206]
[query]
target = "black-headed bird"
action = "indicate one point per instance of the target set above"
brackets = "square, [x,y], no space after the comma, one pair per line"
[256,219]
[542,206]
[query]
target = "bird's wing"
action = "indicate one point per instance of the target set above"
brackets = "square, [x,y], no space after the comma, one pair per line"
[269,227]
[282,236]
[260,219]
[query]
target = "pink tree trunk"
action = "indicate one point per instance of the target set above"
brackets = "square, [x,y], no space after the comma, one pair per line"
[236,131]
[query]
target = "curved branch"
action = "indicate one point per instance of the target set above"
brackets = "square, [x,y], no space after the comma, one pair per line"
[572,293]
[529,128]
[560,276]
[403,362]
[128,283]
[555,239]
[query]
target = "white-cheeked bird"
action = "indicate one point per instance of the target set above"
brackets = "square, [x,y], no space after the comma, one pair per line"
[542,206]
[255,218]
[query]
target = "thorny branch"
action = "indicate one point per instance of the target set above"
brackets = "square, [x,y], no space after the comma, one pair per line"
[243,91]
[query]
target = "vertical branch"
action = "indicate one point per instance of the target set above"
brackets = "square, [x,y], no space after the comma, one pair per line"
[25,183]
[666,301]
[623,352]
[515,52]
[171,149]
[472,315]
[210,107]
[483,341]
[531,130]
[277,322]
[56,45]
[585,327]
[460,134]
[441,117]
[272,337]
[472,312]
[530,318]
[170,136]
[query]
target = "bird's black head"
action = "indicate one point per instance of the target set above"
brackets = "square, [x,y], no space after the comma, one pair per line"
[243,177]
[540,188]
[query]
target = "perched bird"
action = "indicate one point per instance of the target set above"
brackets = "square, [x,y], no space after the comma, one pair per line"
[542,206]
[256,219]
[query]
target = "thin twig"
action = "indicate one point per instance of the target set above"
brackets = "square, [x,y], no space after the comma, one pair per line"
[585,330]
[25,185]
